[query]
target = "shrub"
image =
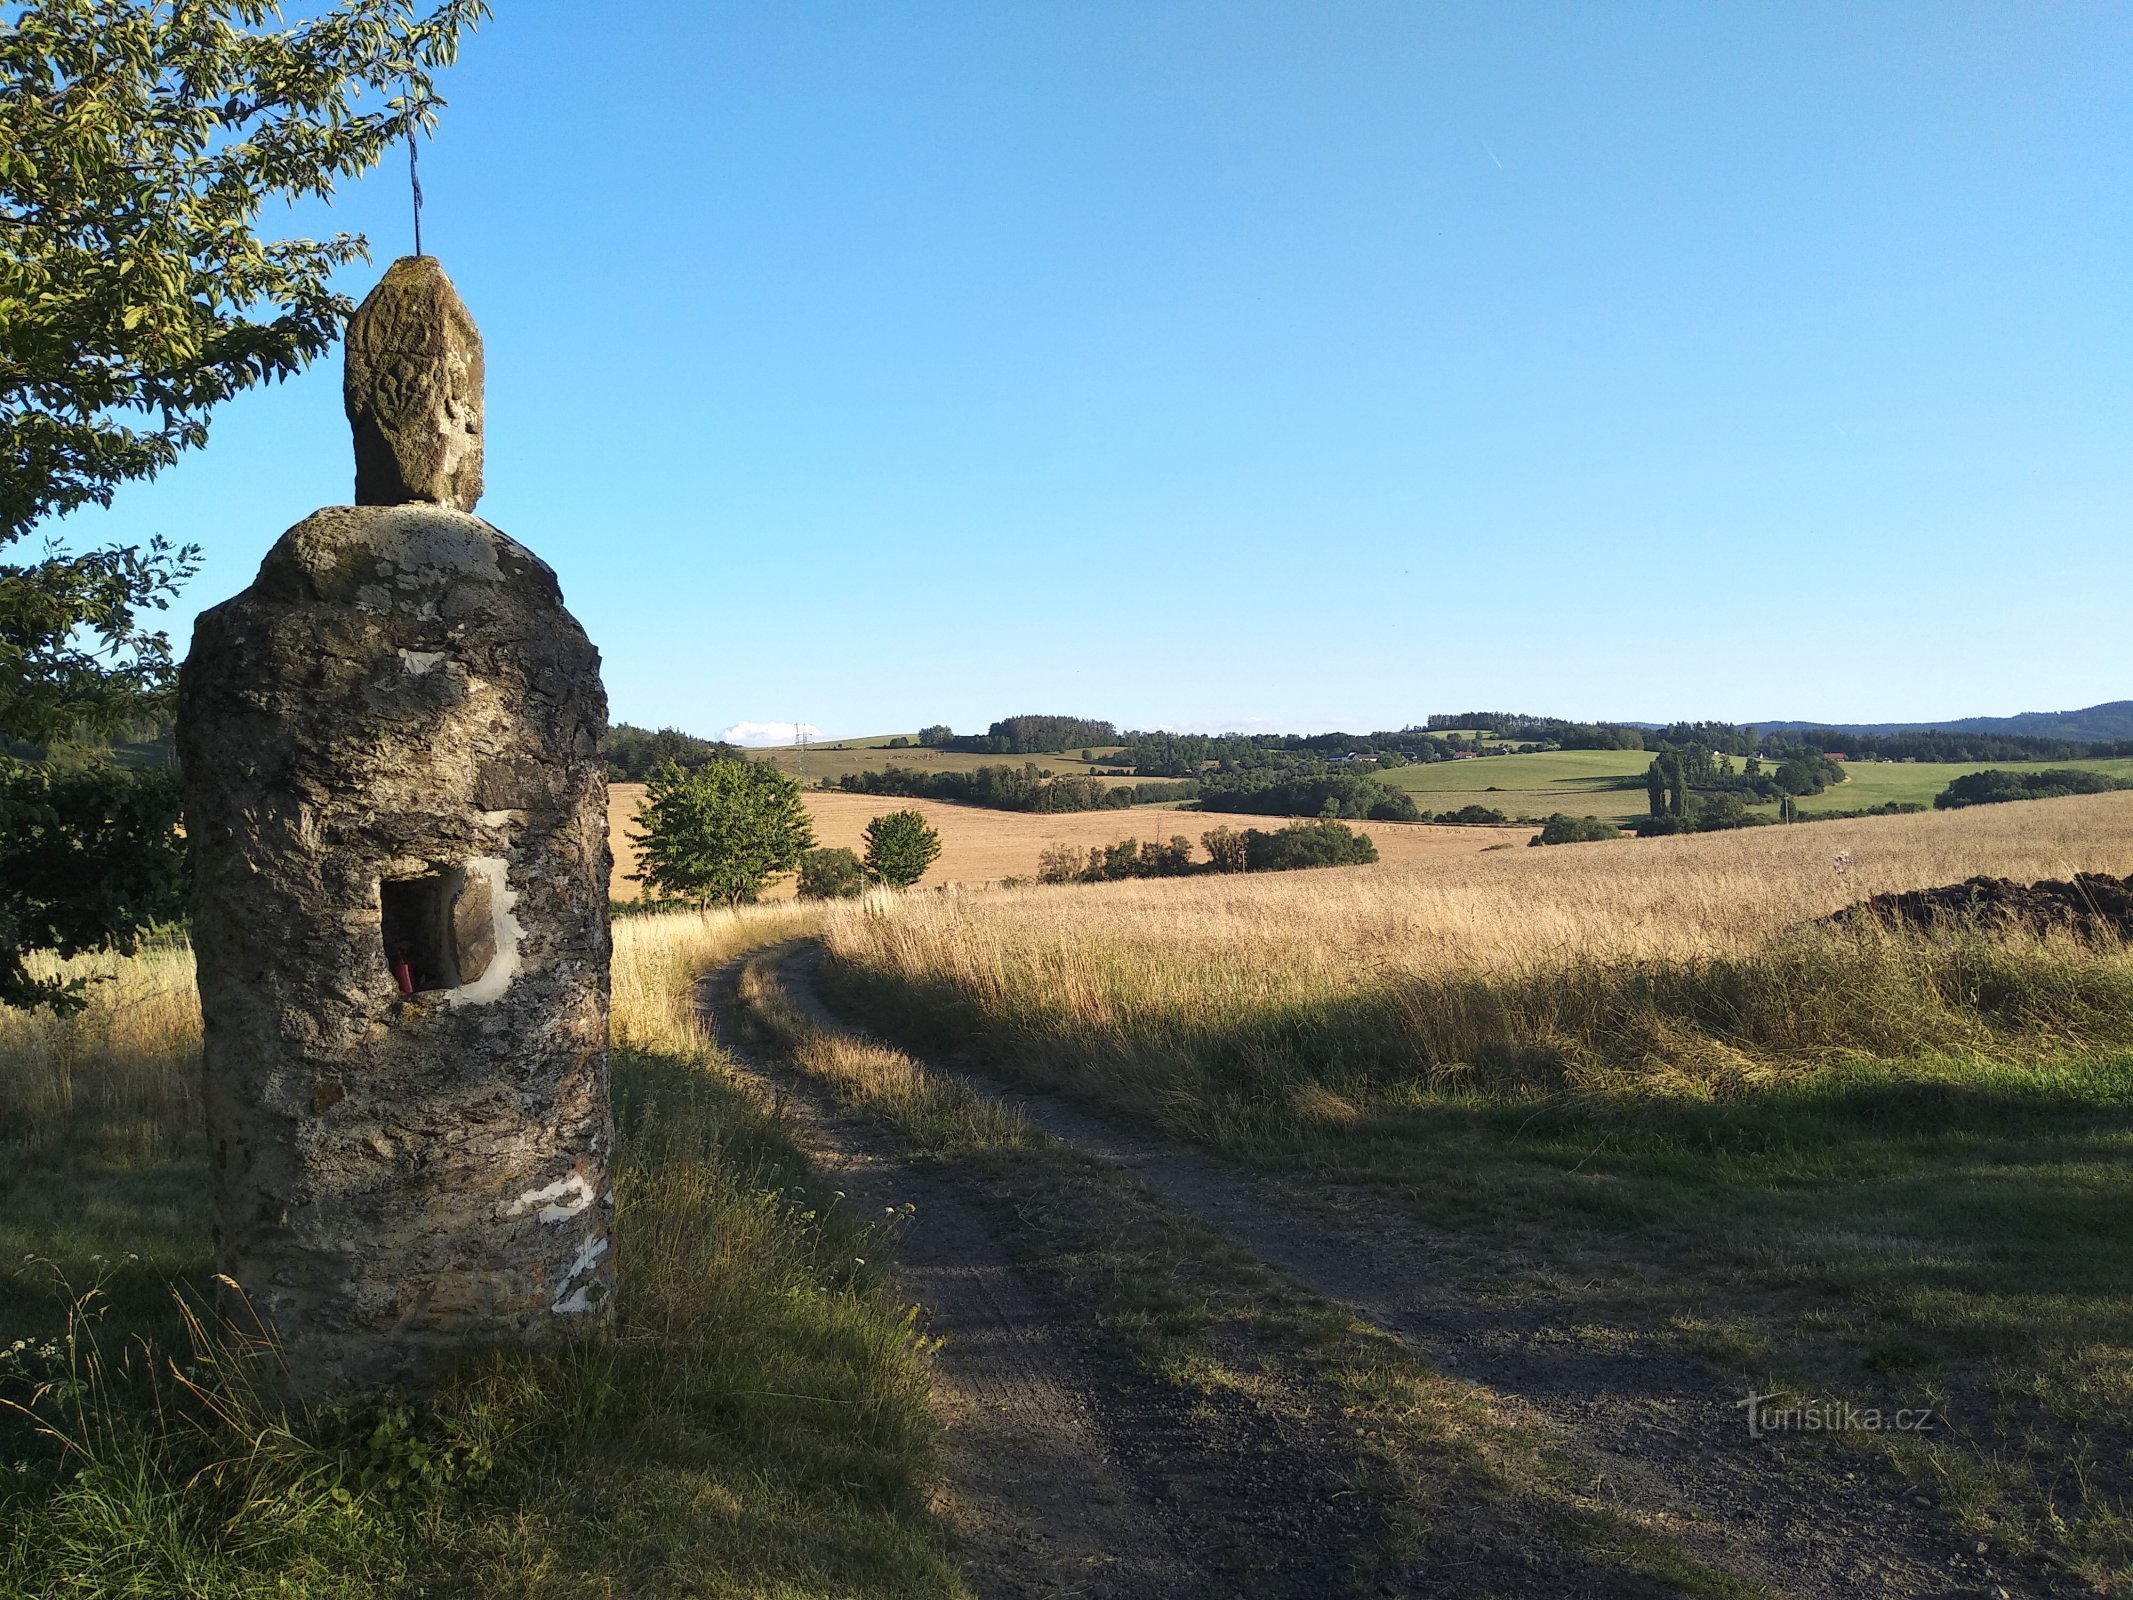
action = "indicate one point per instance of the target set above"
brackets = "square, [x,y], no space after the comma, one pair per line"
[831,873]
[1476,814]
[721,832]
[900,847]
[1225,849]
[1560,829]
[1059,863]
[1307,844]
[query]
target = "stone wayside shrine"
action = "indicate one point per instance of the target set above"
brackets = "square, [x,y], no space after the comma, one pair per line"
[398,820]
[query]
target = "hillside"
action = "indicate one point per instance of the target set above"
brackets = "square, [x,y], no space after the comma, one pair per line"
[2113,719]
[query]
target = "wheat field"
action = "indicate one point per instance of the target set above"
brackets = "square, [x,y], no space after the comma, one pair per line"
[1689,954]
[979,845]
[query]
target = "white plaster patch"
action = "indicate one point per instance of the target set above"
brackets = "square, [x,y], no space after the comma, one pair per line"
[559,1202]
[417,662]
[588,1257]
[571,1302]
[496,978]
[496,819]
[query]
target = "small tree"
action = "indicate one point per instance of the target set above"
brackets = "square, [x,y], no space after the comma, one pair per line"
[831,873]
[900,847]
[722,832]
[1060,863]
[1225,849]
[1562,829]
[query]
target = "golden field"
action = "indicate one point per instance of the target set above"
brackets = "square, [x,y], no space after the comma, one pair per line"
[982,846]
[1688,895]
[1697,954]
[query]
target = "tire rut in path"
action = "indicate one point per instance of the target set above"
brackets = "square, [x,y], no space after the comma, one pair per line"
[1065,1476]
[1662,1435]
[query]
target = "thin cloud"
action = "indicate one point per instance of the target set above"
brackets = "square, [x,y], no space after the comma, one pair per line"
[762,735]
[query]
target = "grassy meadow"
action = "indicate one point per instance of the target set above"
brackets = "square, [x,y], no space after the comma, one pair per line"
[1591,782]
[758,1429]
[1874,783]
[1639,1089]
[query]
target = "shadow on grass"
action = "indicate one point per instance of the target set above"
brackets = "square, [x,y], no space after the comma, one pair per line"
[757,1425]
[1941,1229]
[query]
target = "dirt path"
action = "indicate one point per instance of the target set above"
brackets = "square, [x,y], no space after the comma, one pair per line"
[1663,1436]
[1067,1474]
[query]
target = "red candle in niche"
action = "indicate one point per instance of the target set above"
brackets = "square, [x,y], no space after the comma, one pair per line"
[402,972]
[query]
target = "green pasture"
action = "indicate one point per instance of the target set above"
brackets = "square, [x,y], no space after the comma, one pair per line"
[1580,782]
[1584,782]
[1874,783]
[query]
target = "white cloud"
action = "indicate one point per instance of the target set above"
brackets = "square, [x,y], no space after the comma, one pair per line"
[762,735]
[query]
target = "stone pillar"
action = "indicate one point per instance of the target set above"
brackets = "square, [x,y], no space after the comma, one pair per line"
[398,820]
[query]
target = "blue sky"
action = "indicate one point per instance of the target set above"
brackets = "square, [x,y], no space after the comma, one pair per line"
[1278,365]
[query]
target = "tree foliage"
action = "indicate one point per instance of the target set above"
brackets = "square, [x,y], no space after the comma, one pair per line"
[1564,829]
[85,863]
[1995,786]
[139,141]
[1024,788]
[831,873]
[722,832]
[633,752]
[900,847]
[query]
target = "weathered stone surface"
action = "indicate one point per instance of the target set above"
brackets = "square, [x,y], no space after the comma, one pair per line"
[412,384]
[393,736]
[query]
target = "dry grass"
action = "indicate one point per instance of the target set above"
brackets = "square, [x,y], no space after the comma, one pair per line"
[1632,953]
[984,846]
[119,1081]
[1637,1089]
[758,1427]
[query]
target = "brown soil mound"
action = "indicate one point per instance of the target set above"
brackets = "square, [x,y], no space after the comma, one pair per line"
[2094,906]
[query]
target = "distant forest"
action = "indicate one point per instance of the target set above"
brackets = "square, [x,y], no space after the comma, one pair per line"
[1004,788]
[633,752]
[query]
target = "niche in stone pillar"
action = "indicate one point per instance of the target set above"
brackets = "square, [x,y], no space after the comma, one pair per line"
[443,931]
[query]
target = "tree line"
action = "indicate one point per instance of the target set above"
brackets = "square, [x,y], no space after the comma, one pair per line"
[1022,736]
[634,753]
[1005,788]
[1323,843]
[1995,787]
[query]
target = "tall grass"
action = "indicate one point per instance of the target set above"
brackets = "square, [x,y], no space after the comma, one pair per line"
[1642,1091]
[757,1426]
[118,1083]
[1683,965]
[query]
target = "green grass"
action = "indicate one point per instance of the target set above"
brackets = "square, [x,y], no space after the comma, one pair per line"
[757,1428]
[1874,783]
[1586,782]
[1579,782]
